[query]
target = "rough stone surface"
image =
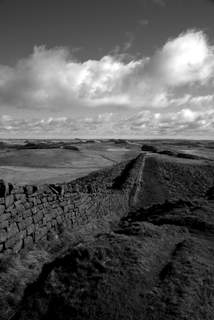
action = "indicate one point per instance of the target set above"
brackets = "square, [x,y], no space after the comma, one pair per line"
[32,211]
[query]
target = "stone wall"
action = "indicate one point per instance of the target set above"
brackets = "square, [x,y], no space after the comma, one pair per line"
[28,213]
[171,179]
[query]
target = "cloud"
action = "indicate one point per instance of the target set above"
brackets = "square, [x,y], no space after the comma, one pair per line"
[186,59]
[56,126]
[192,101]
[53,79]
[183,123]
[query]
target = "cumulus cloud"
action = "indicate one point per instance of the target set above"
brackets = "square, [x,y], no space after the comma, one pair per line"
[52,78]
[205,101]
[186,59]
[182,123]
[66,127]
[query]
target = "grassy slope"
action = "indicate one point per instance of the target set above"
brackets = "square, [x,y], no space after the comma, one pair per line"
[58,165]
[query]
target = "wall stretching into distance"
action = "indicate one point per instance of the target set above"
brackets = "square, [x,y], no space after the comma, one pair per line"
[28,214]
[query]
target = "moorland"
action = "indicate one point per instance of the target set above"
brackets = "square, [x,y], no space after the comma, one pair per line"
[147,253]
[51,161]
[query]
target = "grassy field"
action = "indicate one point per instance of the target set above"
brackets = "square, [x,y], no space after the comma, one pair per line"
[156,262]
[38,166]
[57,164]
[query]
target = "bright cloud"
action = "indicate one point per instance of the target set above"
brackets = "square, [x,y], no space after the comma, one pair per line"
[51,78]
[186,59]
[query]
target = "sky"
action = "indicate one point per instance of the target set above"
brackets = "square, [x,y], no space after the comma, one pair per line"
[107,69]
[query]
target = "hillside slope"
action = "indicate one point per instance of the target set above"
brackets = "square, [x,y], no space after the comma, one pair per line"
[156,263]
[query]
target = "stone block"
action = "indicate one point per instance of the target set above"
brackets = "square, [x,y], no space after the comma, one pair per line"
[37,217]
[18,246]
[30,229]
[18,189]
[20,196]
[12,230]
[27,205]
[9,201]
[22,225]
[12,241]
[28,189]
[59,210]
[28,221]
[13,211]
[18,218]
[34,210]
[27,213]
[4,224]
[5,216]
[19,206]
[28,242]
[2,208]
[3,235]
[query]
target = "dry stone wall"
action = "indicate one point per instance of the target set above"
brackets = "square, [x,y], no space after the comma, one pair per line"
[29,213]
[171,179]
